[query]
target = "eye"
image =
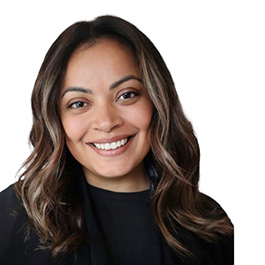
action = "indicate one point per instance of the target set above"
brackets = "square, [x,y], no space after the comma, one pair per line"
[77,105]
[127,95]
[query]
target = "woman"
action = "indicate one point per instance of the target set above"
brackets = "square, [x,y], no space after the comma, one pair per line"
[113,176]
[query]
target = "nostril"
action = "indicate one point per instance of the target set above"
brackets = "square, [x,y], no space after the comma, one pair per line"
[106,120]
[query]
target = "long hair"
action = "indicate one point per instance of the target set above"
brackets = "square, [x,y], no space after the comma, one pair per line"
[47,186]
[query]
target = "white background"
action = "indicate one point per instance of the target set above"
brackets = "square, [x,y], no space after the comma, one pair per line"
[215,51]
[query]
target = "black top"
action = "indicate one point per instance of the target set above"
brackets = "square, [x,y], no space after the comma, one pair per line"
[128,228]
[108,235]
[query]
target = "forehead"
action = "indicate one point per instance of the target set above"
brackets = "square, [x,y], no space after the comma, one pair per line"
[103,49]
[104,58]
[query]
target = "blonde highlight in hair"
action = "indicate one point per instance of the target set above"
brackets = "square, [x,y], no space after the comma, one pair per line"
[47,187]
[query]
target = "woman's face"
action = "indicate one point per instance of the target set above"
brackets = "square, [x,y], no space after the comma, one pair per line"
[106,114]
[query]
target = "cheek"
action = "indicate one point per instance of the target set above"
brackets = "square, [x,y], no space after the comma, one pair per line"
[74,128]
[143,116]
[74,134]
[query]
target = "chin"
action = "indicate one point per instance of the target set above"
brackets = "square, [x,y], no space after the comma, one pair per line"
[113,174]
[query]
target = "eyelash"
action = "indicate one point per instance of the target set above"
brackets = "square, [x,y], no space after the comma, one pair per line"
[131,94]
[77,102]
[134,93]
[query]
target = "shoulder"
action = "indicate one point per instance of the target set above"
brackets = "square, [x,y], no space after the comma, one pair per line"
[211,251]
[17,244]
[11,208]
[223,249]
[10,205]
[209,205]
[212,210]
[206,198]
[13,217]
[13,227]
[8,197]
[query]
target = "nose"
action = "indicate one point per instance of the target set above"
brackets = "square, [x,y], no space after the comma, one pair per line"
[106,118]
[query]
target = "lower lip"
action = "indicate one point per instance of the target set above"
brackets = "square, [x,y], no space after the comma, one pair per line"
[113,152]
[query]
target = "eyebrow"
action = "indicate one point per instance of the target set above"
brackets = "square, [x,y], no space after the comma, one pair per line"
[112,86]
[77,89]
[125,79]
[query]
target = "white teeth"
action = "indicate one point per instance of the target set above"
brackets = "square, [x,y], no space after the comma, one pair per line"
[113,145]
[97,145]
[107,146]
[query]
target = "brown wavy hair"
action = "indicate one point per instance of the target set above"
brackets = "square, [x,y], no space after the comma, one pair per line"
[47,187]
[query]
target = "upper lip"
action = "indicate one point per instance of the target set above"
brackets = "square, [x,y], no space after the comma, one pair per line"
[112,139]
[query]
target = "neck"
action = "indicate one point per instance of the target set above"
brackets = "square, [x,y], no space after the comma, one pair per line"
[133,182]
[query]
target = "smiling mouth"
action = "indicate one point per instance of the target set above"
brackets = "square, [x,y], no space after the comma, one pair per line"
[112,145]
